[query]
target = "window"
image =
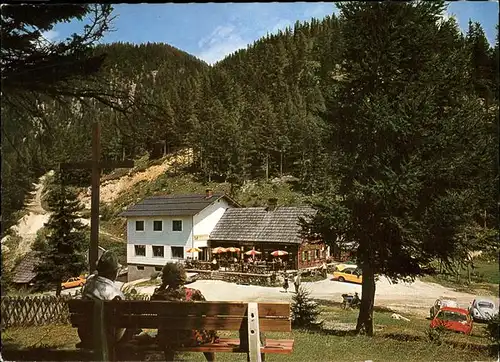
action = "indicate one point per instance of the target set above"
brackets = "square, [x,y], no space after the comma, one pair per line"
[317,254]
[309,255]
[158,268]
[158,251]
[177,252]
[139,225]
[452,316]
[485,305]
[176,225]
[157,225]
[303,256]
[140,267]
[140,250]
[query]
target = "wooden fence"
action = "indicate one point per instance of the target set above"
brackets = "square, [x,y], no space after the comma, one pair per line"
[41,310]
[34,311]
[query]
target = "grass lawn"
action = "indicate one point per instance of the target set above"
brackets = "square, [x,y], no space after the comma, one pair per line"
[395,340]
[484,280]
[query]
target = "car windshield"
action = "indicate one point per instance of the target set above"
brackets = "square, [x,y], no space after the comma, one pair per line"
[447,315]
[485,305]
[449,303]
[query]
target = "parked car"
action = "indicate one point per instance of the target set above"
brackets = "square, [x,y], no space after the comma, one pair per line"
[442,302]
[453,319]
[73,282]
[483,309]
[341,267]
[348,274]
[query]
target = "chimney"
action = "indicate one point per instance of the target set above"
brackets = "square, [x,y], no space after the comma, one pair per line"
[272,204]
[208,193]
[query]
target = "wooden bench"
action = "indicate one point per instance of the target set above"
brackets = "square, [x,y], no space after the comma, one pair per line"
[248,318]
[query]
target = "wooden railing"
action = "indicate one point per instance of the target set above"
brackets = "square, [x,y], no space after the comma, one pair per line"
[32,311]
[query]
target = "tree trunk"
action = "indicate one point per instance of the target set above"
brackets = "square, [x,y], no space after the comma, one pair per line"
[281,163]
[267,167]
[365,318]
[58,289]
[468,272]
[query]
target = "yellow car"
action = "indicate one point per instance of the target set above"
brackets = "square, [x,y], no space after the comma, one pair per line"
[73,282]
[341,267]
[352,275]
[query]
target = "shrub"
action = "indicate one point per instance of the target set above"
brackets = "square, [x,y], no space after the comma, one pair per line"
[493,330]
[106,211]
[434,335]
[154,275]
[304,309]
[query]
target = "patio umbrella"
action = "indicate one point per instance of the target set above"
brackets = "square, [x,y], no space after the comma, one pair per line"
[279,253]
[232,249]
[218,250]
[252,252]
[194,250]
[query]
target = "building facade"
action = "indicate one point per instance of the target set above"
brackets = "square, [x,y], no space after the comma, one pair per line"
[163,228]
[268,229]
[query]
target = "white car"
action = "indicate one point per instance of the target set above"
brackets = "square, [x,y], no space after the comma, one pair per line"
[483,309]
[440,303]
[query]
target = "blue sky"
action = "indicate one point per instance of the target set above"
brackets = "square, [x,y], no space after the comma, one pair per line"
[212,31]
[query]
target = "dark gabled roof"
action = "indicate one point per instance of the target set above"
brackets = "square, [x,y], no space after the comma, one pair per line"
[256,224]
[24,272]
[165,205]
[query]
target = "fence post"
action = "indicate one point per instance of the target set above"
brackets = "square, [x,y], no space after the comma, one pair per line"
[253,333]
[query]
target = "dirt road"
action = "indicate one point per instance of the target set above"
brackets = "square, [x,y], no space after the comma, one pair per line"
[415,298]
[29,224]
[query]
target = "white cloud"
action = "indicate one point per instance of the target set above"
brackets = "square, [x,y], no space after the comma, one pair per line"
[251,22]
[319,10]
[223,41]
[281,25]
[218,33]
[50,35]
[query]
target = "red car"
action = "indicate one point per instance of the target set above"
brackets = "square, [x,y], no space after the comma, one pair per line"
[454,319]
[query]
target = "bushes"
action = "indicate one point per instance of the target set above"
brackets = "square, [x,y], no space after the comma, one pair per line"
[106,212]
[155,275]
[493,330]
[434,335]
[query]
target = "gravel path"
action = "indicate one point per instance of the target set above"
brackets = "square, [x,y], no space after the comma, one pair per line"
[415,298]
[29,224]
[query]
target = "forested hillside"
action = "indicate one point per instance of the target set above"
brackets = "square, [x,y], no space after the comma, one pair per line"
[259,113]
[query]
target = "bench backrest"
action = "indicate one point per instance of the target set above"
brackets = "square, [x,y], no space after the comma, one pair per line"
[181,315]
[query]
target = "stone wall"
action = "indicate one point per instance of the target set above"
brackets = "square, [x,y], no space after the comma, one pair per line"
[238,278]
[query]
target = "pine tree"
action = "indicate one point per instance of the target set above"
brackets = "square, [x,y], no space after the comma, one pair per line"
[62,254]
[304,309]
[409,143]
[33,64]
[482,62]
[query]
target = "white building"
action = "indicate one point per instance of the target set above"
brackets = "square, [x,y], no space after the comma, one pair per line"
[162,228]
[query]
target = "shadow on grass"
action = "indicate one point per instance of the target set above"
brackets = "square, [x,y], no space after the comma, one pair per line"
[337,332]
[10,353]
[407,337]
[330,303]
